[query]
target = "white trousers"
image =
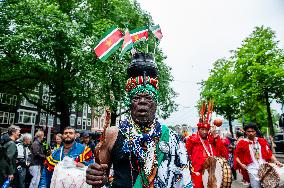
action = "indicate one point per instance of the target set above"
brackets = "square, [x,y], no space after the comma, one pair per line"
[35,171]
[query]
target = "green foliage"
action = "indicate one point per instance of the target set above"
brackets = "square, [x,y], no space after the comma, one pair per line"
[50,42]
[250,80]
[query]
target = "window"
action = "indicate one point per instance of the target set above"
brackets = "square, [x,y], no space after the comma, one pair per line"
[12,118]
[26,117]
[42,120]
[84,124]
[4,117]
[72,120]
[26,103]
[89,122]
[79,121]
[50,121]
[58,121]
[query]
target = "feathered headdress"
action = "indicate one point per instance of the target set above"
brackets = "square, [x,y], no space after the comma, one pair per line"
[204,121]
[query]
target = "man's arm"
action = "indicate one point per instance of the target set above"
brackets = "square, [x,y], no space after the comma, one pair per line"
[97,173]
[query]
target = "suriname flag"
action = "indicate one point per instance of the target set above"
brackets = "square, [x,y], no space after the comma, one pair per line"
[156,30]
[109,43]
[139,34]
[127,43]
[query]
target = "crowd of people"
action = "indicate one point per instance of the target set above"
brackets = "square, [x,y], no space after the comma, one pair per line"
[140,152]
[24,160]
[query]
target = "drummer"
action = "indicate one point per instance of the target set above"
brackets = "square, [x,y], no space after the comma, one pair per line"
[250,153]
[200,146]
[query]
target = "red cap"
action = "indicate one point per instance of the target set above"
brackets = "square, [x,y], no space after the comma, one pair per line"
[203,125]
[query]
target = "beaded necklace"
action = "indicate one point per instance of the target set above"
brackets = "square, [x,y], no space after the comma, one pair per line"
[141,144]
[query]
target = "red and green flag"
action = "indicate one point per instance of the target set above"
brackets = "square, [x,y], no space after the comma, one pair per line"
[156,30]
[139,34]
[109,43]
[127,43]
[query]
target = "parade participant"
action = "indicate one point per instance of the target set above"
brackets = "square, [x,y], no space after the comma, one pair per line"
[143,152]
[87,142]
[250,153]
[23,159]
[8,154]
[81,154]
[202,145]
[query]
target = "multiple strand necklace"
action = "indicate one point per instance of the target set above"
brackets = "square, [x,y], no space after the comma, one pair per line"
[205,148]
[142,143]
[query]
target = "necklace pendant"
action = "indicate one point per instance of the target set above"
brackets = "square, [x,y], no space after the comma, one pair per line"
[164,147]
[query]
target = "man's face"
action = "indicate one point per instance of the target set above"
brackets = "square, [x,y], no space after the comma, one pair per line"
[143,108]
[86,139]
[68,136]
[251,133]
[17,134]
[203,132]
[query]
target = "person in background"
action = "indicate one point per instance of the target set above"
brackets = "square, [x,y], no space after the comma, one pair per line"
[231,160]
[37,159]
[87,142]
[23,159]
[58,142]
[250,153]
[9,154]
[81,154]
[78,137]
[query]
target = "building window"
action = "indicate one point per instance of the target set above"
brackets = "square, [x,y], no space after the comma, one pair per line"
[4,117]
[89,122]
[79,120]
[58,121]
[72,120]
[27,117]
[50,121]
[42,120]
[26,103]
[84,124]
[12,118]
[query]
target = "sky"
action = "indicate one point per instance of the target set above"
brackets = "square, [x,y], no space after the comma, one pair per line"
[198,32]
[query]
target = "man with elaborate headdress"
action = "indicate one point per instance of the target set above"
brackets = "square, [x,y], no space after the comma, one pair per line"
[143,152]
[202,145]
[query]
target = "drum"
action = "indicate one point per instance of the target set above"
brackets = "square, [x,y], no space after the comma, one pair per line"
[68,175]
[216,173]
[271,175]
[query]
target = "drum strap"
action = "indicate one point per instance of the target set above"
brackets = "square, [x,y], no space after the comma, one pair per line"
[205,148]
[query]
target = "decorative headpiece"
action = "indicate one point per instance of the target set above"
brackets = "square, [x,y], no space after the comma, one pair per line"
[204,121]
[143,76]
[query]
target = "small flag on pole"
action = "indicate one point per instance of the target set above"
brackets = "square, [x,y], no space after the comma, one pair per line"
[156,30]
[139,34]
[127,43]
[109,43]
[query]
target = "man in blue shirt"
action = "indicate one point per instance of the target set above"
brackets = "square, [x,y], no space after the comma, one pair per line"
[81,154]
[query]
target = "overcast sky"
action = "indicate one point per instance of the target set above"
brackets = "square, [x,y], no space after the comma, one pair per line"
[198,32]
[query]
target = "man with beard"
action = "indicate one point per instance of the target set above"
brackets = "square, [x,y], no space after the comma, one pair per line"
[199,147]
[143,152]
[81,154]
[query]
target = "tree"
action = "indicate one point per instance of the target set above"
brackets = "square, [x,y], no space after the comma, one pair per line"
[259,70]
[219,87]
[49,43]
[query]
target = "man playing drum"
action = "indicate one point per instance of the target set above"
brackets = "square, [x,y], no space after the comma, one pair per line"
[200,146]
[250,153]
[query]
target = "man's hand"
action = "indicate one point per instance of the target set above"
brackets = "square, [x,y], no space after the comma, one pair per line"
[278,164]
[11,177]
[243,166]
[80,165]
[96,175]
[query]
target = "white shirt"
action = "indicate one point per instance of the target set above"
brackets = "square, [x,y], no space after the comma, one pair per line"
[254,166]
